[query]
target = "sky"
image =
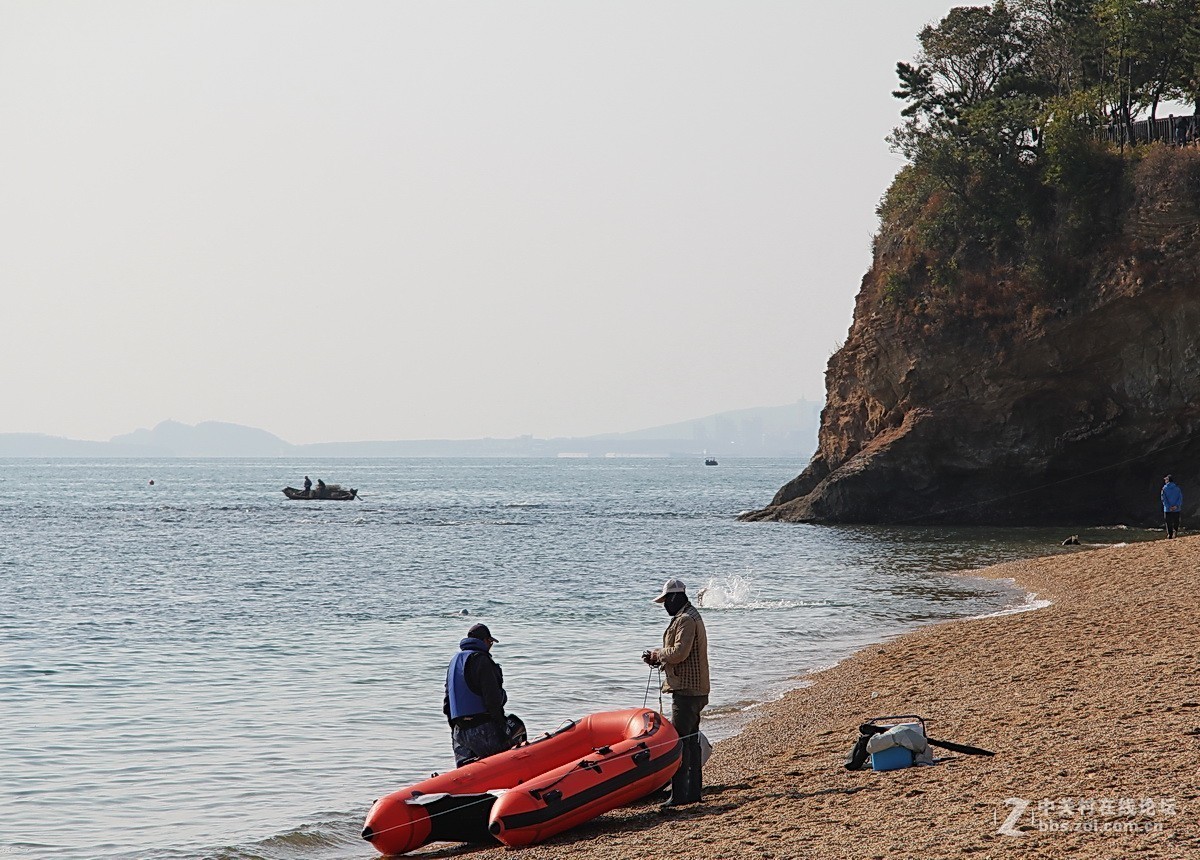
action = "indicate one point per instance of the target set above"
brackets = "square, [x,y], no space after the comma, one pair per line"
[401,220]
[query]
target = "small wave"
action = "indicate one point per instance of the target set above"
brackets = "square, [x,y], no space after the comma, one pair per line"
[525,505]
[1030,603]
[641,516]
[26,671]
[737,707]
[462,523]
[742,706]
[319,839]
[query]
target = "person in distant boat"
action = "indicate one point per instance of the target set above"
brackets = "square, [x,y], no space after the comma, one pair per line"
[1172,502]
[321,491]
[684,660]
[307,486]
[475,699]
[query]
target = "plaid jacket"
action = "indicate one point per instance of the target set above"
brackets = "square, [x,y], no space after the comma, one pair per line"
[684,654]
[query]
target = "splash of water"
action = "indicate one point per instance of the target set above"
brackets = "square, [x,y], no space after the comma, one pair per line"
[733,591]
[737,592]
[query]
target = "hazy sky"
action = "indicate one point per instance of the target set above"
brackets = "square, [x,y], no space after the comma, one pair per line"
[390,220]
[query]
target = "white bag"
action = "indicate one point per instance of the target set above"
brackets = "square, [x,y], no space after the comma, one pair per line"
[911,736]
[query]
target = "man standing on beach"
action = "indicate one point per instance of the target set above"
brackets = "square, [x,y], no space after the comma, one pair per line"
[684,660]
[475,699]
[1172,502]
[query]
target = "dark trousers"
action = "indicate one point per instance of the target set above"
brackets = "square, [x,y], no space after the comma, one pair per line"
[685,716]
[478,741]
[1172,522]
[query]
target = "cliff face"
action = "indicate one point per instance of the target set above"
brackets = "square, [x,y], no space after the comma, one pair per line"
[1067,411]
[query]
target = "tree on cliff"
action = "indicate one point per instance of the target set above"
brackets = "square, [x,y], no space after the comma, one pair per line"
[971,119]
[1168,41]
[1003,108]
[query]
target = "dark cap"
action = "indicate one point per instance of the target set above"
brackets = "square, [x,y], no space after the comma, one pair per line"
[480,631]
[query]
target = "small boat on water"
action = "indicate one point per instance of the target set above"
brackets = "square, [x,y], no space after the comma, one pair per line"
[710,461]
[331,493]
[532,792]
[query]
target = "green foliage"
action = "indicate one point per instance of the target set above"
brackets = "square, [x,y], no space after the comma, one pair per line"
[897,287]
[1006,168]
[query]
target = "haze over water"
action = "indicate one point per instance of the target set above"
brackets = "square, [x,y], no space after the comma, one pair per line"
[202,668]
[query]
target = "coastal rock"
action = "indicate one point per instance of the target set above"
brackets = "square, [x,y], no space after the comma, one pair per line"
[1059,411]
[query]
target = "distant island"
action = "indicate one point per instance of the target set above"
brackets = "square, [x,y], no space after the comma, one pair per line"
[776,431]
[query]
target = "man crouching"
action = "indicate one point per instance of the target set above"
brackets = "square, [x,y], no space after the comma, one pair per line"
[475,697]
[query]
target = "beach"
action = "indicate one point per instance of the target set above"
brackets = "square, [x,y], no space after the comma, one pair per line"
[1091,704]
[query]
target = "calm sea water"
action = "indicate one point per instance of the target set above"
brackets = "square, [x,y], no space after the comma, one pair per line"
[204,669]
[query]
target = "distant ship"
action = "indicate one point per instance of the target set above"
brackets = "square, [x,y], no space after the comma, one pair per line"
[710,461]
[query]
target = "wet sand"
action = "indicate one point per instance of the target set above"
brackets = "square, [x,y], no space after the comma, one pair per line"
[1092,705]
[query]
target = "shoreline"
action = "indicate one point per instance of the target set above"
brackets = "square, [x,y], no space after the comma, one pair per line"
[729,722]
[1091,703]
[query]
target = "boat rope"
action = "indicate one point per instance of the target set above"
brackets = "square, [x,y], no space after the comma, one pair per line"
[644,745]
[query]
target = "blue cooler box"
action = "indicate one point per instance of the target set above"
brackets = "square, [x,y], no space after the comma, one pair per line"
[892,758]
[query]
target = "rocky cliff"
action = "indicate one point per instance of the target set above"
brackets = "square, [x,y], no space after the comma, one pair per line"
[1021,404]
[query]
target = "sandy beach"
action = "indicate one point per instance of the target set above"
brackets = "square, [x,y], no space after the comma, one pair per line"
[1092,705]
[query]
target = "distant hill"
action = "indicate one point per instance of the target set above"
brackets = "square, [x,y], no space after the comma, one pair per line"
[41,445]
[764,431]
[779,431]
[207,439]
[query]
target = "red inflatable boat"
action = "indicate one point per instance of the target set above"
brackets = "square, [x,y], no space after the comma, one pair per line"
[532,792]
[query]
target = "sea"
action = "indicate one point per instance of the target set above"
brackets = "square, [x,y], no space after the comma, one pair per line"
[194,666]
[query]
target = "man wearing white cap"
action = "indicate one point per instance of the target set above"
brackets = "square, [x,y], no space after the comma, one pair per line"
[683,658]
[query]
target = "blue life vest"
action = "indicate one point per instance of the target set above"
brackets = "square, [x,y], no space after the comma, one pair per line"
[464,702]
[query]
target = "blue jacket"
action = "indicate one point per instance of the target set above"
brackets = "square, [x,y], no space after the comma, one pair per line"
[485,695]
[1172,497]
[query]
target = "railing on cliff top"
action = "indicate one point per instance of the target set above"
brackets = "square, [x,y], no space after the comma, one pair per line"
[1178,130]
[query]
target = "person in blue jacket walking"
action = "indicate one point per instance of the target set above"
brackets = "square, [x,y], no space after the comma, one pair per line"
[1172,502]
[475,699]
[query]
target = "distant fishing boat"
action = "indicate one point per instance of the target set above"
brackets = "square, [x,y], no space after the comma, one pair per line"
[331,493]
[710,461]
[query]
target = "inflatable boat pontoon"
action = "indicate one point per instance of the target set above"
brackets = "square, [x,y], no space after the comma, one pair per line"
[530,793]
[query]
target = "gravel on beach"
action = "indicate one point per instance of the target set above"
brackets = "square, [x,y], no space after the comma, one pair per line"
[1091,704]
